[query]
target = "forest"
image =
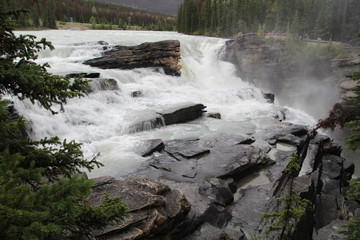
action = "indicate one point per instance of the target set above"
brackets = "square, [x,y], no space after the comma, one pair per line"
[337,20]
[101,15]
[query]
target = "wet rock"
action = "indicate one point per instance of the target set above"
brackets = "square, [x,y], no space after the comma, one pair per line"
[151,146]
[217,216]
[348,171]
[220,139]
[332,167]
[186,148]
[148,124]
[137,94]
[102,84]
[165,54]
[290,139]
[270,97]
[153,207]
[82,74]
[332,148]
[204,169]
[218,190]
[182,113]
[248,207]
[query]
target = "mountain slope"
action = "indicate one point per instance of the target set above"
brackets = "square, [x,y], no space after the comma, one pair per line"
[161,6]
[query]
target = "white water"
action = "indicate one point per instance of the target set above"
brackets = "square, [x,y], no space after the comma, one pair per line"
[102,121]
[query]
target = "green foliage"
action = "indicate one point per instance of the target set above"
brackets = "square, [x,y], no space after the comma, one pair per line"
[294,206]
[354,190]
[353,226]
[298,49]
[353,140]
[42,194]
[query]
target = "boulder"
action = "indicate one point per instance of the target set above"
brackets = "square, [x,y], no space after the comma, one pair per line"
[137,94]
[269,97]
[165,54]
[182,113]
[153,207]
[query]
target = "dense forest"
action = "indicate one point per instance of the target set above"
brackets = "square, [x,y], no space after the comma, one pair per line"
[104,15]
[159,6]
[326,19]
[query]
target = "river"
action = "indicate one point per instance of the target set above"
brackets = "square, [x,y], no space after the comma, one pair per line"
[103,120]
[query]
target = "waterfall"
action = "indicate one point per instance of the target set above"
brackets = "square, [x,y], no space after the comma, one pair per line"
[112,122]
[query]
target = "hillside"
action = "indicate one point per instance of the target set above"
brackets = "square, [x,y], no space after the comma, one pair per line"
[324,19]
[101,15]
[161,6]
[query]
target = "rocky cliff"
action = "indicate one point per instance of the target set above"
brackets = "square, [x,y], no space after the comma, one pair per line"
[224,182]
[299,76]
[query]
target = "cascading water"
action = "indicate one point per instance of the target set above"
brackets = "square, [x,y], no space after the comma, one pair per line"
[108,121]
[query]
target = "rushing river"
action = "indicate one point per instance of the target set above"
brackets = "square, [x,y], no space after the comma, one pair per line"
[102,120]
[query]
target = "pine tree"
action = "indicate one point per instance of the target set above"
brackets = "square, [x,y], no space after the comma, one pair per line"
[42,195]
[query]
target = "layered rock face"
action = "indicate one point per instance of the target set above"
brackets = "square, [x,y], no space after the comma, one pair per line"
[165,54]
[153,207]
[224,182]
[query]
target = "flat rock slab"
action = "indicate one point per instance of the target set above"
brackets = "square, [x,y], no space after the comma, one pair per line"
[165,54]
[196,160]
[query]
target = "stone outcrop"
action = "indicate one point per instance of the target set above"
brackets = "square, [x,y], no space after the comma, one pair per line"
[229,180]
[165,54]
[154,208]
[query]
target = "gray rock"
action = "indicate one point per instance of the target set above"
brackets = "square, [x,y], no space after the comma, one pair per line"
[311,160]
